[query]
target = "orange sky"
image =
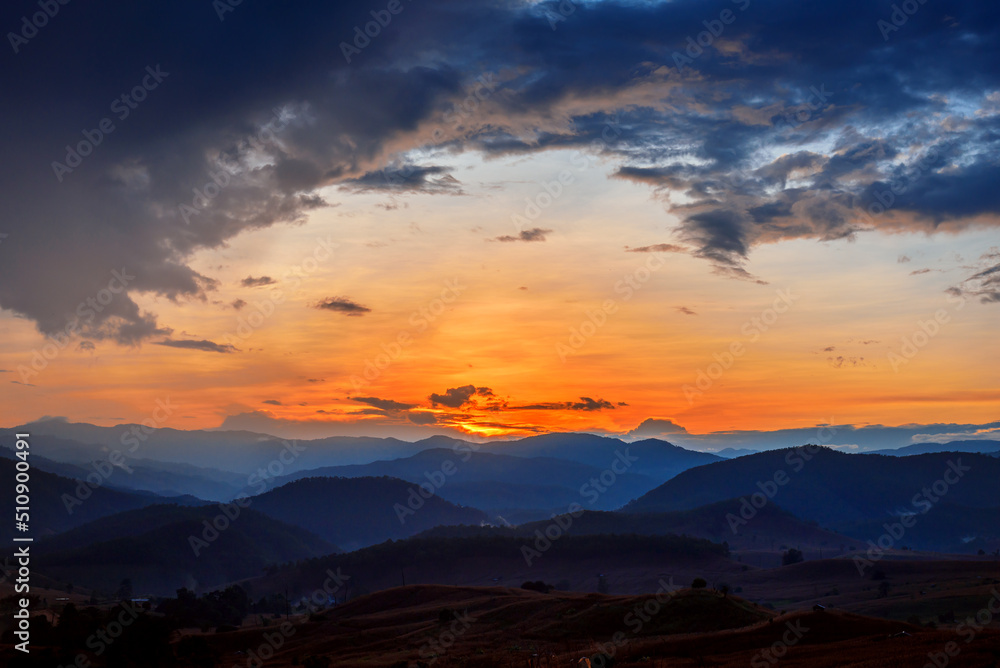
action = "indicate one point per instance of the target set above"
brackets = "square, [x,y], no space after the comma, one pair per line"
[509,318]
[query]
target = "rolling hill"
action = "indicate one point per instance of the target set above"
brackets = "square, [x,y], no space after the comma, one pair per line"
[771,530]
[164,547]
[833,488]
[59,504]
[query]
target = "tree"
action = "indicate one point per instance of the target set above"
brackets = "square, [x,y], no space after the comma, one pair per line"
[698,583]
[792,556]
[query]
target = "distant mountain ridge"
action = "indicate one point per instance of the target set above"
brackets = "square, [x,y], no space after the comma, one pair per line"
[834,488]
[357,512]
[488,480]
[59,504]
[982,447]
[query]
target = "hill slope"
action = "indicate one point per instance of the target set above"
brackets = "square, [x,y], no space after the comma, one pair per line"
[496,481]
[355,512]
[833,488]
[162,548]
[59,504]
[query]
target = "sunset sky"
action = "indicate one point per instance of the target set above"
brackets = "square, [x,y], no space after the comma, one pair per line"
[504,218]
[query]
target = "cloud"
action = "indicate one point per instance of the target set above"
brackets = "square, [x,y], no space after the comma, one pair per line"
[421,417]
[985,283]
[741,148]
[272,402]
[406,178]
[534,234]
[902,259]
[658,248]
[251,282]
[342,305]
[656,427]
[584,404]
[191,344]
[383,404]
[840,362]
[917,272]
[238,304]
[86,345]
[685,310]
[456,397]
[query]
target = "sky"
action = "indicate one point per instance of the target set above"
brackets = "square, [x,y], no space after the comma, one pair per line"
[497,219]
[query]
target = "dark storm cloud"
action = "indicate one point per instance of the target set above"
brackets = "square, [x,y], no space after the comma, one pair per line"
[792,124]
[342,305]
[191,344]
